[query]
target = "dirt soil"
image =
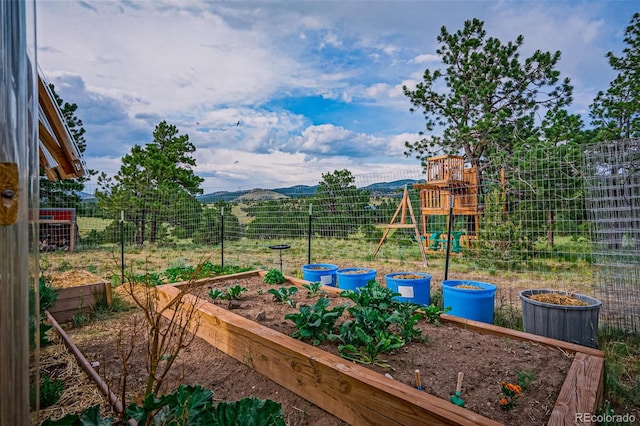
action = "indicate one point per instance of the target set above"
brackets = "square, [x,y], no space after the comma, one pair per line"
[484,360]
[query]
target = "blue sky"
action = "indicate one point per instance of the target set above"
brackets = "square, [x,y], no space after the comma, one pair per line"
[316,86]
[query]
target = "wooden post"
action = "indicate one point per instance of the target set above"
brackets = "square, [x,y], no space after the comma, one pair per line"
[405,204]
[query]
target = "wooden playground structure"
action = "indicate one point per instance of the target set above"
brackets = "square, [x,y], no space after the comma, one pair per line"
[450,191]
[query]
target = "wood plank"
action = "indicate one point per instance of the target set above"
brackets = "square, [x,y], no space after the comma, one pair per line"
[581,392]
[82,291]
[208,280]
[65,150]
[349,391]
[485,328]
[83,298]
[67,315]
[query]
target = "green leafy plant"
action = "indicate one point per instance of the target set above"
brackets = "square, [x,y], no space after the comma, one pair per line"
[314,288]
[151,279]
[371,346]
[367,335]
[283,294]
[405,318]
[316,322]
[194,405]
[80,318]
[274,276]
[65,266]
[230,293]
[47,298]
[179,273]
[205,269]
[216,293]
[372,295]
[432,313]
[50,390]
[525,378]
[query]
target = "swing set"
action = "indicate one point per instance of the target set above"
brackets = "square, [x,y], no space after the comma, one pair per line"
[451,190]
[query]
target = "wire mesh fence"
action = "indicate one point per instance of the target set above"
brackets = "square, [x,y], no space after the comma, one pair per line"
[613,204]
[522,223]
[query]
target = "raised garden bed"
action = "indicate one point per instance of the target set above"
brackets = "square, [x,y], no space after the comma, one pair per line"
[78,293]
[359,395]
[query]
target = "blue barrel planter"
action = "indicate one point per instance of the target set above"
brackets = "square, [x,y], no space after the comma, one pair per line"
[574,324]
[474,304]
[353,278]
[325,273]
[414,287]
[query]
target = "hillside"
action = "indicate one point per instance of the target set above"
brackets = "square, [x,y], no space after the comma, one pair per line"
[260,195]
[298,191]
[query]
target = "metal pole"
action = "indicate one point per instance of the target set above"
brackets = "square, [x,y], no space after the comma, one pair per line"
[222,237]
[122,244]
[309,234]
[446,261]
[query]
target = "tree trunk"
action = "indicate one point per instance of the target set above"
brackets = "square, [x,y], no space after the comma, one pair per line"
[153,231]
[550,222]
[140,230]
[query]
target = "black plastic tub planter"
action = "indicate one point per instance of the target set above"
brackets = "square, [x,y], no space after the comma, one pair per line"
[573,324]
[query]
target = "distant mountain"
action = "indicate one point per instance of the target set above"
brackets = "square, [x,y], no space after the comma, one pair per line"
[261,195]
[299,191]
[85,196]
[389,188]
[220,196]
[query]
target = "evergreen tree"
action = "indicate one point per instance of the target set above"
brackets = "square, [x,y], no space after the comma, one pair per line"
[487,98]
[544,178]
[338,205]
[616,113]
[151,181]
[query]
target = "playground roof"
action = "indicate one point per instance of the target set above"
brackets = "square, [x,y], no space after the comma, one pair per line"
[59,155]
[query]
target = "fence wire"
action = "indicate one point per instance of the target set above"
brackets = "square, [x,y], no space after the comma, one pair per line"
[613,203]
[563,218]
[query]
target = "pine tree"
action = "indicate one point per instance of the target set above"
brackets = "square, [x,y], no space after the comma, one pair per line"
[151,181]
[616,113]
[487,98]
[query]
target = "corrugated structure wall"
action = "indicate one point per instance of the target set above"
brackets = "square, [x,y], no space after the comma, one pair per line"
[18,202]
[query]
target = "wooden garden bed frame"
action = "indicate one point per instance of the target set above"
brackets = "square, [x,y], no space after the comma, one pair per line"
[360,396]
[80,299]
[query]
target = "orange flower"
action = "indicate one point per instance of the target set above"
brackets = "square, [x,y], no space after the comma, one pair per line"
[504,401]
[514,388]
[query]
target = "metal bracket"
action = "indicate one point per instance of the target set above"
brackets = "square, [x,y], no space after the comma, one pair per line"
[9,193]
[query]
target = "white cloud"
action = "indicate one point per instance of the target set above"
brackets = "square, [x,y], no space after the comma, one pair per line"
[332,40]
[426,58]
[205,66]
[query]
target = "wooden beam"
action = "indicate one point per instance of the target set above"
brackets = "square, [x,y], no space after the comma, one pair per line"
[59,143]
[485,328]
[581,392]
[354,393]
[50,143]
[405,204]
